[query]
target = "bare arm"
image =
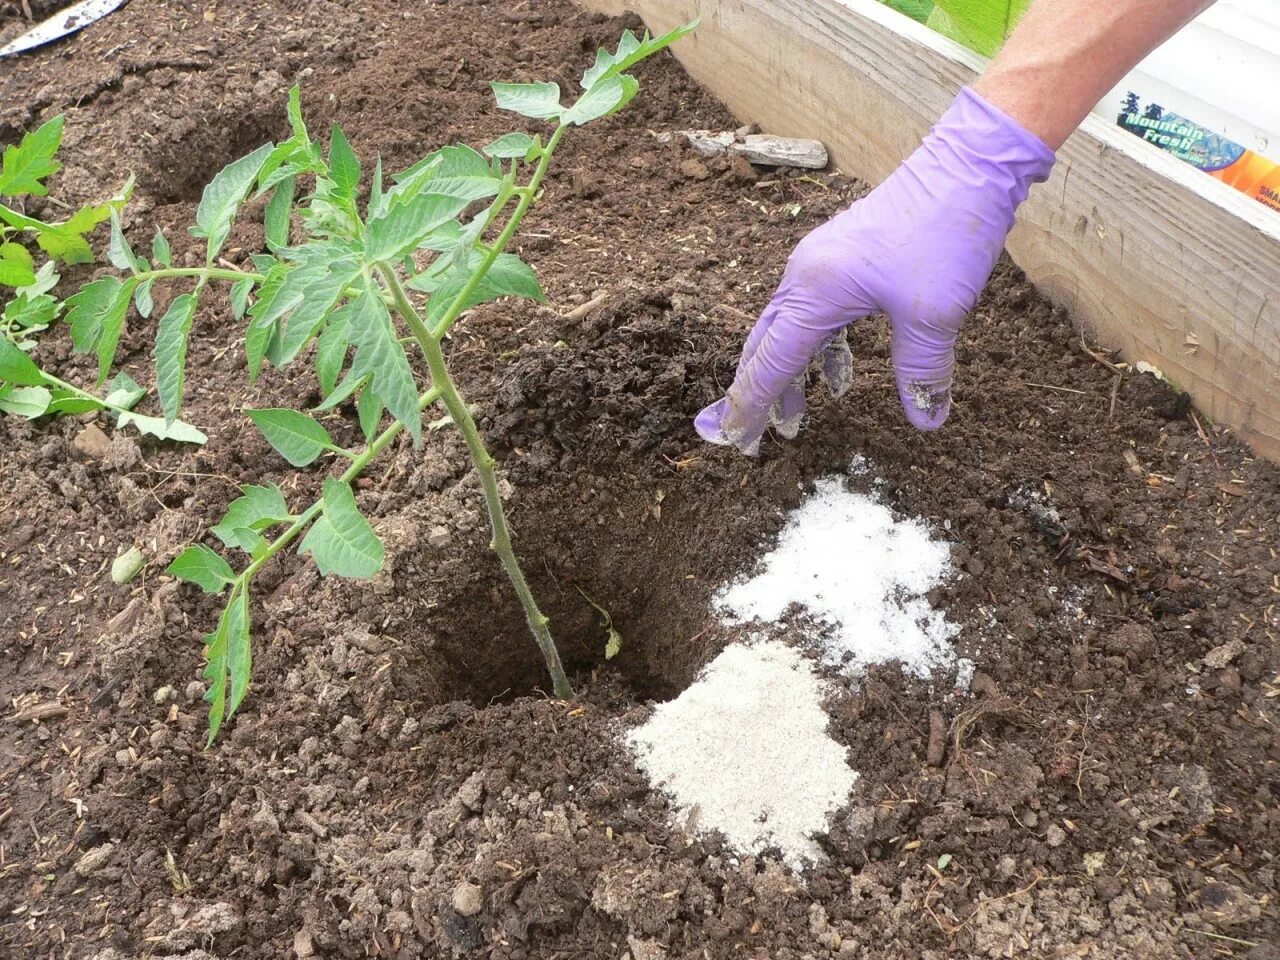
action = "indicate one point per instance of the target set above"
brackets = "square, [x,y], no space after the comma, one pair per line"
[1066,54]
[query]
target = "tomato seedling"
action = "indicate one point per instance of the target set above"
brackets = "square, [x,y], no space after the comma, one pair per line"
[339,293]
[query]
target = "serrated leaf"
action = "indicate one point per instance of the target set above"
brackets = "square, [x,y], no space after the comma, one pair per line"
[275,219]
[179,431]
[342,392]
[294,435]
[508,277]
[606,97]
[142,299]
[124,392]
[87,309]
[96,315]
[24,165]
[47,278]
[17,368]
[160,249]
[309,292]
[17,269]
[341,540]
[399,231]
[261,327]
[344,165]
[111,329]
[331,351]
[31,313]
[257,509]
[119,253]
[206,569]
[240,291]
[539,101]
[171,353]
[512,146]
[380,356]
[631,51]
[376,199]
[222,197]
[369,410]
[66,403]
[229,657]
[27,402]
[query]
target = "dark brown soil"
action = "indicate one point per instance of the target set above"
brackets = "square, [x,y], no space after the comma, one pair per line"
[1108,788]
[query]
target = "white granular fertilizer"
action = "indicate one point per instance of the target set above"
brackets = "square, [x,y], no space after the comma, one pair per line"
[850,565]
[745,751]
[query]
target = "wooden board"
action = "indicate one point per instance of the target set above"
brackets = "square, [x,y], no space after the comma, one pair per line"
[1149,254]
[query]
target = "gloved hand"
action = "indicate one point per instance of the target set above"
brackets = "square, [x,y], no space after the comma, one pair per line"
[918,248]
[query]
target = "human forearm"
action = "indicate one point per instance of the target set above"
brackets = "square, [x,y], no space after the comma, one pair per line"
[1066,54]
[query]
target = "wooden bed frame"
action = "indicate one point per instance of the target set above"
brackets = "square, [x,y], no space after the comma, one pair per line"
[1150,255]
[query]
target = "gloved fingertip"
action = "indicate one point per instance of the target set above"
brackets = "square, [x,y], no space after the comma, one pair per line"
[709,423]
[788,410]
[926,409]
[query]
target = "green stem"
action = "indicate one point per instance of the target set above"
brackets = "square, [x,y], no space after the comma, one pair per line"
[204,273]
[539,624]
[358,464]
[53,381]
[527,195]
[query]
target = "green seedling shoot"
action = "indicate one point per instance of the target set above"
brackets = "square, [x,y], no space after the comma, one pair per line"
[342,290]
[27,390]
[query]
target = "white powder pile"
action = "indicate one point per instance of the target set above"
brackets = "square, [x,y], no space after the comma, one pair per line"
[745,751]
[861,573]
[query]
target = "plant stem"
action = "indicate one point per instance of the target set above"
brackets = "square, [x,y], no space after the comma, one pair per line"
[527,195]
[204,273]
[53,381]
[358,464]
[480,457]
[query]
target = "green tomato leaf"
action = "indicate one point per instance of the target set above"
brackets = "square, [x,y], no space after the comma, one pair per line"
[294,435]
[17,269]
[275,219]
[31,313]
[142,299]
[229,657]
[119,253]
[199,565]
[400,230]
[341,540]
[538,101]
[240,291]
[17,368]
[28,402]
[223,195]
[508,277]
[179,431]
[369,409]
[124,392]
[513,146]
[630,52]
[24,166]
[87,309]
[344,166]
[160,249]
[606,97]
[379,355]
[331,351]
[171,353]
[257,509]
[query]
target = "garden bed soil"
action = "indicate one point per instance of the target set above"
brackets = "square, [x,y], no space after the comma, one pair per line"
[397,784]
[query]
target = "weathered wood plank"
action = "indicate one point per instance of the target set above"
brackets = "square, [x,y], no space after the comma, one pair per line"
[1148,253]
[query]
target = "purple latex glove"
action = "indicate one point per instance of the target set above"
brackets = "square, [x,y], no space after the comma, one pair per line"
[918,248]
